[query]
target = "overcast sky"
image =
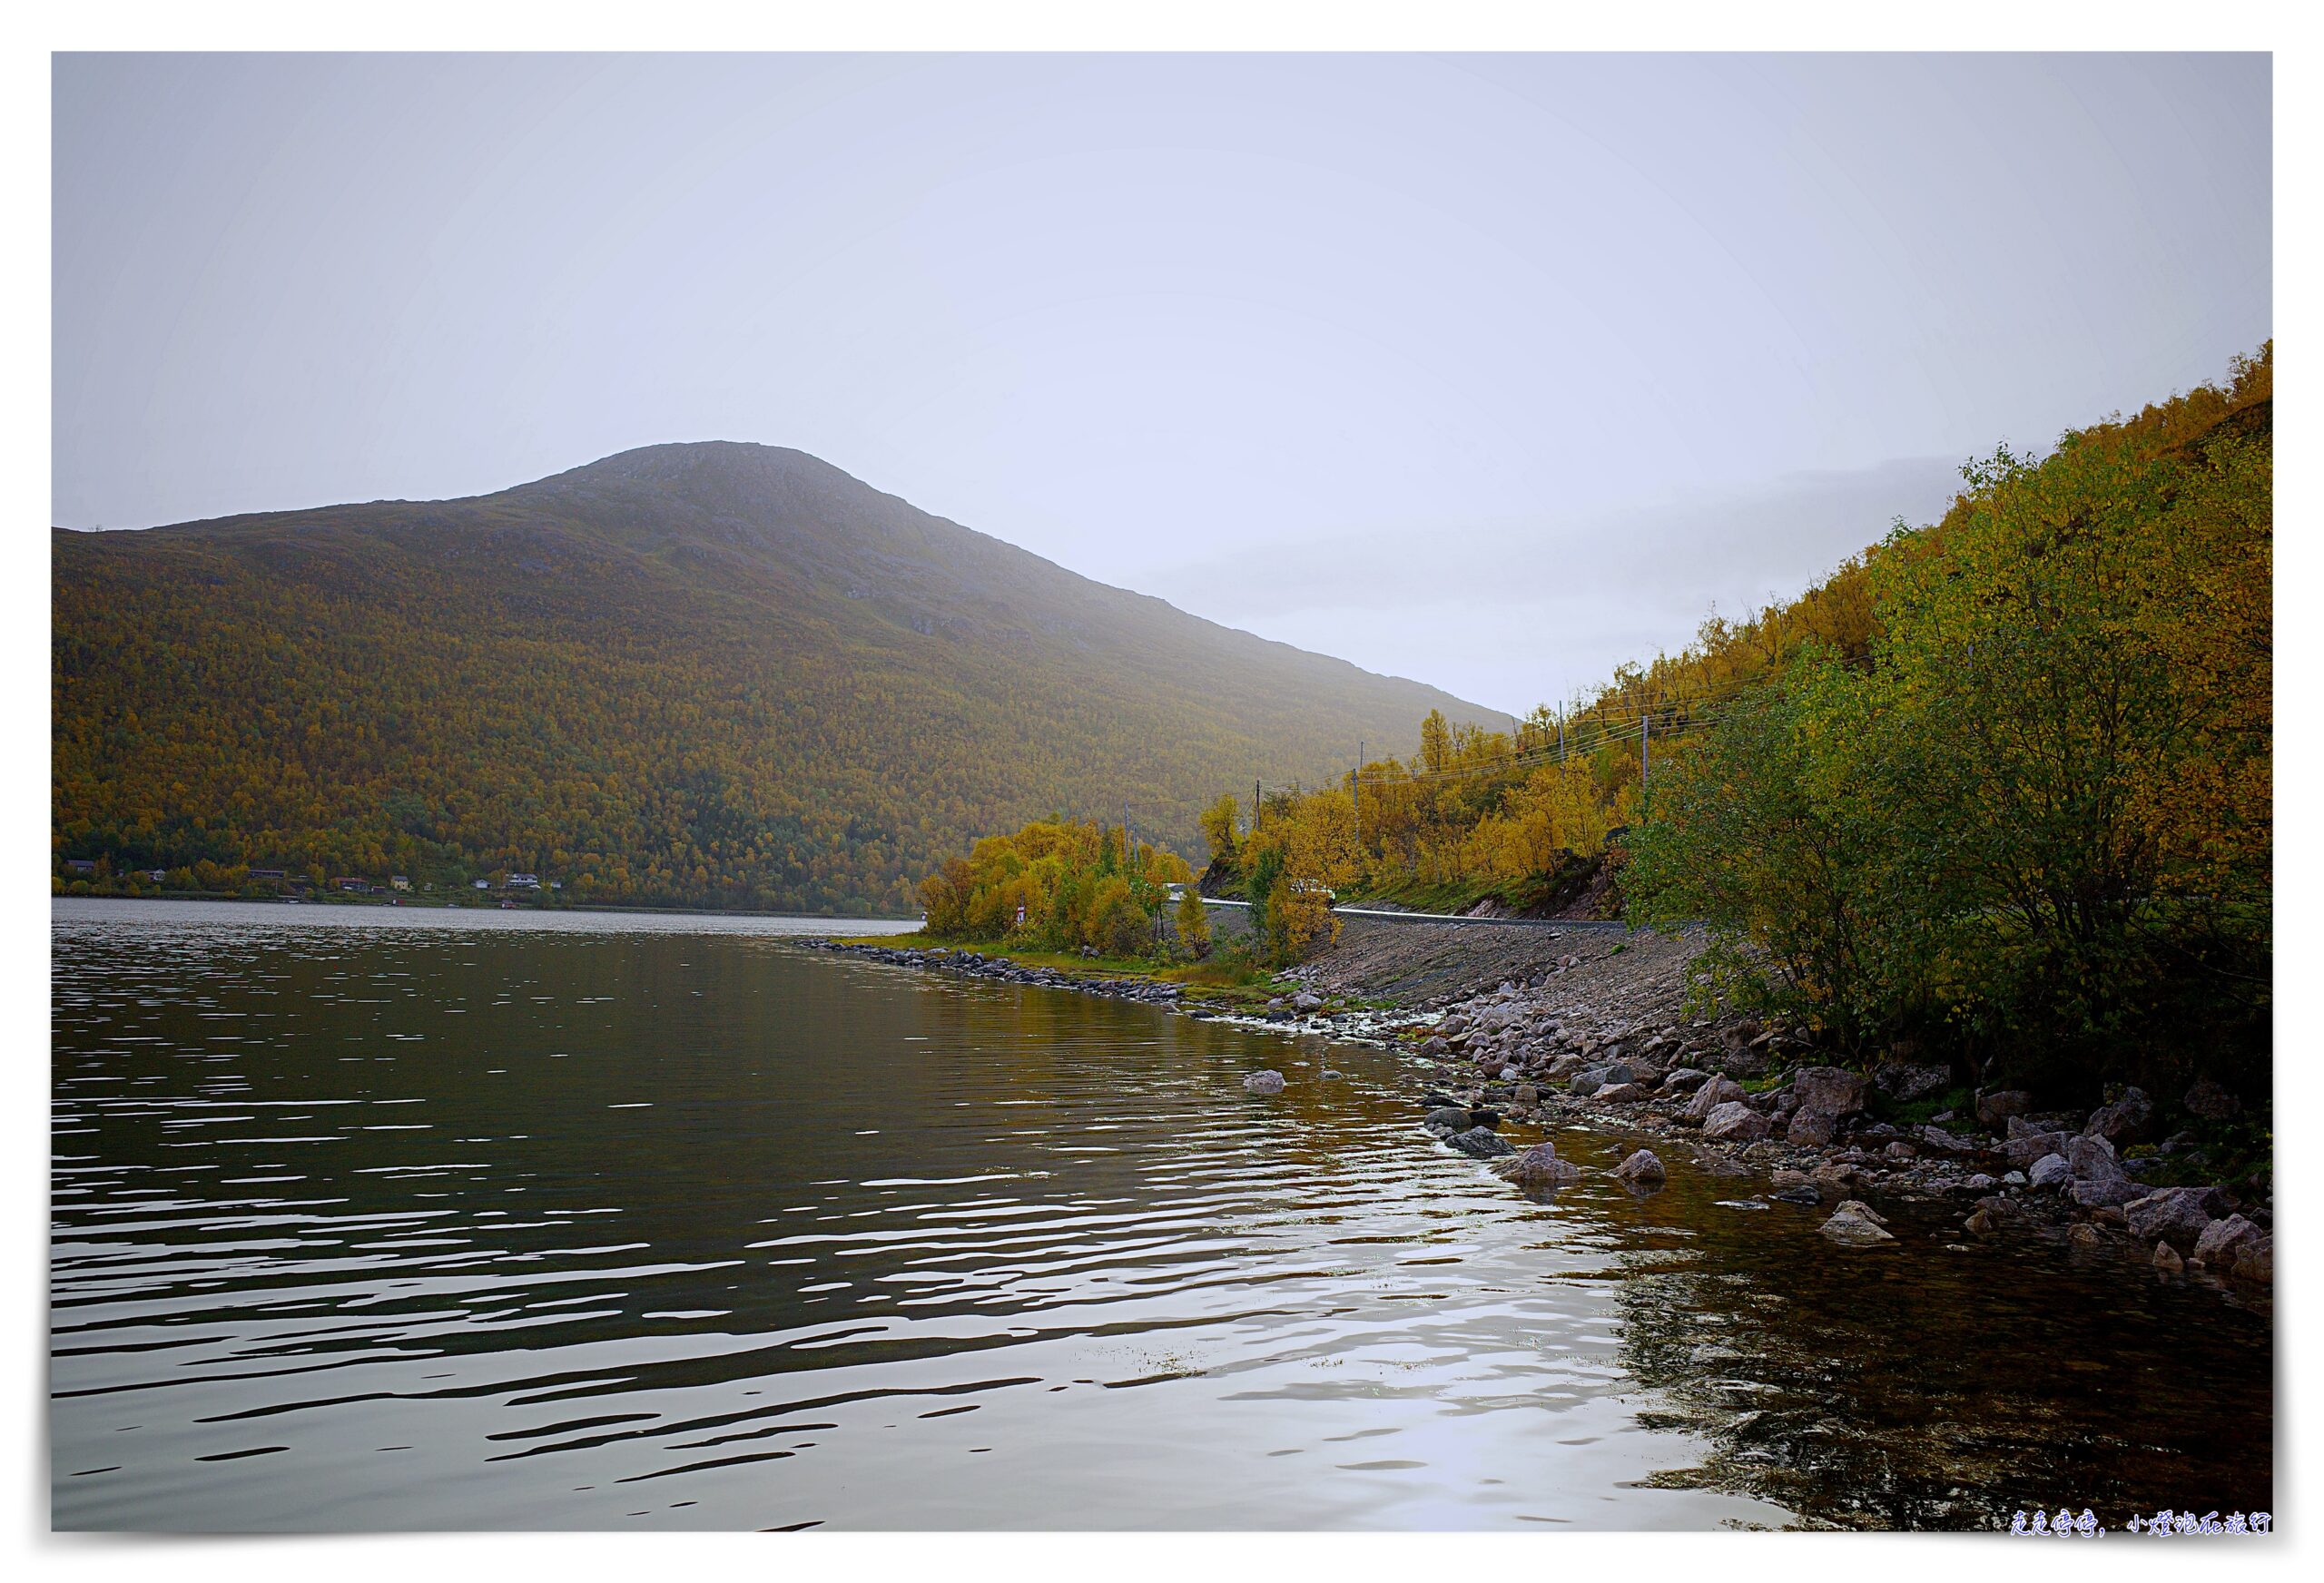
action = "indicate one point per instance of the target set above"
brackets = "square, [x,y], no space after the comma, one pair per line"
[1491,372]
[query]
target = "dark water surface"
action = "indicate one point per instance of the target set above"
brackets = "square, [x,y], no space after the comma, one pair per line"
[374,1219]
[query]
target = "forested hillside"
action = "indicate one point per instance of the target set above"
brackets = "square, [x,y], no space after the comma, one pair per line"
[2002,786]
[708,674]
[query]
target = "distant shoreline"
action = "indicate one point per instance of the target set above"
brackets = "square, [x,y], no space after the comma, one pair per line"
[417,905]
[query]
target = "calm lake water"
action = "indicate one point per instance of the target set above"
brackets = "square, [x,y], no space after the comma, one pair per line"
[368,1219]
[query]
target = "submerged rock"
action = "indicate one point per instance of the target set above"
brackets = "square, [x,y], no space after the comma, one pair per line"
[2167,1259]
[1264,1082]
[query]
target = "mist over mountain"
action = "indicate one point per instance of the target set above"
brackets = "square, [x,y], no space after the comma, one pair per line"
[712,673]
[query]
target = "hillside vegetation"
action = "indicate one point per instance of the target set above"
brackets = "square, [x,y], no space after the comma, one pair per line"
[1998,789]
[705,675]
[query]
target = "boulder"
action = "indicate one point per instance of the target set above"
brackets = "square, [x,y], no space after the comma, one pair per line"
[1905,1081]
[1684,1080]
[1801,1194]
[1784,1177]
[2098,1177]
[1305,1002]
[1994,1109]
[1713,1094]
[2050,1171]
[2082,1234]
[1943,1142]
[2223,1240]
[2167,1259]
[1735,1122]
[1831,1089]
[1900,1151]
[2177,1215]
[1448,1118]
[1855,1226]
[2211,1102]
[1264,1082]
[1641,1168]
[2255,1261]
[1587,1081]
[1714,1164]
[2024,1148]
[2122,1120]
[1540,1166]
[1482,1143]
[1527,1094]
[1811,1129]
[1619,1094]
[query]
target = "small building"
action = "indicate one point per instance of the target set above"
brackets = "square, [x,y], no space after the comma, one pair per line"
[81,865]
[350,883]
[484,884]
[400,881]
[263,875]
[524,882]
[156,875]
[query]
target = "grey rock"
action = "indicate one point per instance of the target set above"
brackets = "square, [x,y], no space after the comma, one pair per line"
[1448,1118]
[2177,1215]
[1905,1081]
[2123,1120]
[2255,1261]
[2050,1170]
[1735,1122]
[1811,1129]
[1305,1002]
[1800,1194]
[1264,1082]
[1943,1142]
[1713,1094]
[1684,1080]
[1994,1109]
[1856,1225]
[1619,1094]
[2023,1149]
[2167,1259]
[2223,1240]
[2211,1102]
[1540,1166]
[1833,1090]
[1482,1143]
[1643,1168]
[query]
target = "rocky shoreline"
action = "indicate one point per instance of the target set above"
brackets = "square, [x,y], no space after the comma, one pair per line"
[1587,1039]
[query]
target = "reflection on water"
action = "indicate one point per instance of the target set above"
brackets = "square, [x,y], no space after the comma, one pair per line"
[371,1220]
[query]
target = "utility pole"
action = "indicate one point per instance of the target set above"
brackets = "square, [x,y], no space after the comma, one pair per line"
[1642,721]
[1255,807]
[1561,736]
